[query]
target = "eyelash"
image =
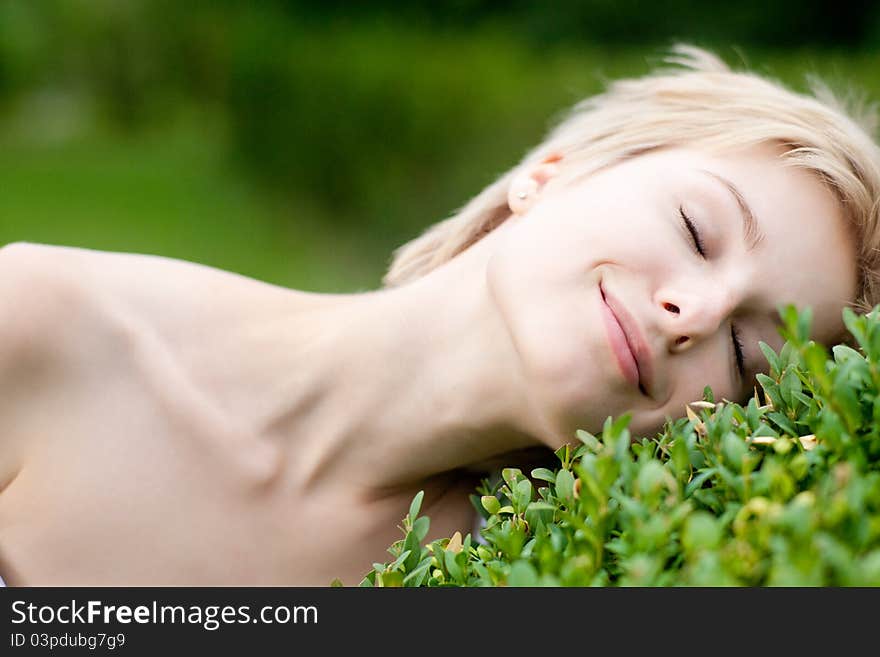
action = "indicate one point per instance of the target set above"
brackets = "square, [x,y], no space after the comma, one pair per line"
[692,229]
[698,245]
[738,350]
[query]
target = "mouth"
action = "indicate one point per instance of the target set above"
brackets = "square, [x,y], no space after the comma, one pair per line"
[630,349]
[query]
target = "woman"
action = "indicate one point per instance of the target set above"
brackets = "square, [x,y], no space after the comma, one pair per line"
[166,423]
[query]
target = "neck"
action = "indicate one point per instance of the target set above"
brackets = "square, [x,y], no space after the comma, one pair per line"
[386,390]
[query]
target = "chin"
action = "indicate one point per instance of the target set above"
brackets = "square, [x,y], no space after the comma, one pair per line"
[561,426]
[645,429]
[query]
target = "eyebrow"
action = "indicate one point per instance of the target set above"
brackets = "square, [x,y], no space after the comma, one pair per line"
[752,234]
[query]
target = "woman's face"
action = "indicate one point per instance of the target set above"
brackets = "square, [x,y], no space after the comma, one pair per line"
[622,248]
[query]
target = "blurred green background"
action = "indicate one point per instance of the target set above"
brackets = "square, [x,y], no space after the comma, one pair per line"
[300,142]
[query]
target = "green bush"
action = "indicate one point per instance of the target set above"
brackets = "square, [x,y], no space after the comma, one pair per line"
[782,491]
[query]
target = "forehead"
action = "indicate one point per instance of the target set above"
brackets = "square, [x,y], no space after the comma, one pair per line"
[808,255]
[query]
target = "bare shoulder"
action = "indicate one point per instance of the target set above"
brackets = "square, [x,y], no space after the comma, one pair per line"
[72,280]
[51,298]
[39,297]
[40,314]
[71,315]
[58,316]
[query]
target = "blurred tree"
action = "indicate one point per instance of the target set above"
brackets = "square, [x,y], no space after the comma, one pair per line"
[380,115]
[746,22]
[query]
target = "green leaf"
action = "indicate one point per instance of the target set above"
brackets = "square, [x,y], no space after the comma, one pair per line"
[765,429]
[539,513]
[421,527]
[564,485]
[697,482]
[564,454]
[782,445]
[804,323]
[771,389]
[802,398]
[416,505]
[411,544]
[511,476]
[680,457]
[523,494]
[796,325]
[652,479]
[544,474]
[771,357]
[522,573]
[619,426]
[393,579]
[783,423]
[397,562]
[622,447]
[847,401]
[708,395]
[417,576]
[589,440]
[856,324]
[753,415]
[491,503]
[816,361]
[789,383]
[701,532]
[452,567]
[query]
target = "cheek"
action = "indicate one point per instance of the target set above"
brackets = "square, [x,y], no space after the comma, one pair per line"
[550,307]
[546,310]
[624,221]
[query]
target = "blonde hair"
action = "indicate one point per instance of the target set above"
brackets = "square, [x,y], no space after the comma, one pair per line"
[704,103]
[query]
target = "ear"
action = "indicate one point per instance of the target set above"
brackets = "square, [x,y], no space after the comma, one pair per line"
[526,186]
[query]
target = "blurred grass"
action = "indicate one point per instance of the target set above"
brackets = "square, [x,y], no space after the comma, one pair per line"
[170,192]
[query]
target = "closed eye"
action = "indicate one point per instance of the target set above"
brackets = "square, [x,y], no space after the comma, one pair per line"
[693,230]
[734,334]
[738,352]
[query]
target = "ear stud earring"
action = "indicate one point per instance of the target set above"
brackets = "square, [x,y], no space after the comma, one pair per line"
[522,195]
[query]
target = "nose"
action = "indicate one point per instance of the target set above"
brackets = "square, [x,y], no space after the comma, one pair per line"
[688,317]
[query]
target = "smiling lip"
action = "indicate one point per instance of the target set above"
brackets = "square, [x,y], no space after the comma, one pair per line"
[630,349]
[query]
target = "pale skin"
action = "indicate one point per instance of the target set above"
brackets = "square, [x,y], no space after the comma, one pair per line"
[166,423]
